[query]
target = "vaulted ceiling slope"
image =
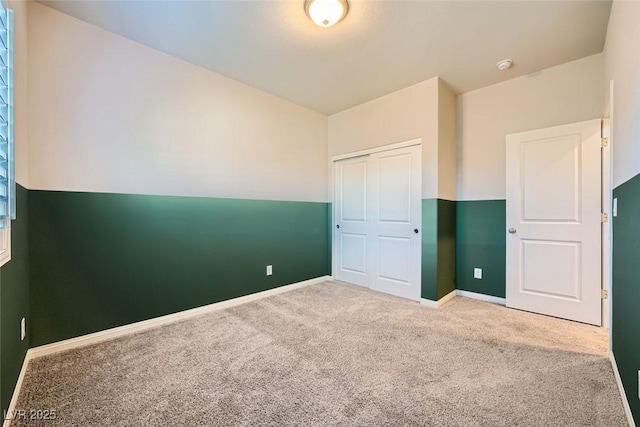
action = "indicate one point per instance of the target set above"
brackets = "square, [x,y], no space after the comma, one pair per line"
[380,47]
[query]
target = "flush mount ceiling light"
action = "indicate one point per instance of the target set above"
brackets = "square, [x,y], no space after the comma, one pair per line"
[326,13]
[504,64]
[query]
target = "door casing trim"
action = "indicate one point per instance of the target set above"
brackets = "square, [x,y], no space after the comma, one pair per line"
[388,147]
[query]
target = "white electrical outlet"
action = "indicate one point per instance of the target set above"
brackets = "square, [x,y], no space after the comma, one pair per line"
[269,270]
[477,273]
[23,329]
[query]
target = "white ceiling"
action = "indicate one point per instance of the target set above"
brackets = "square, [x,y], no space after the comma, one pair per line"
[380,47]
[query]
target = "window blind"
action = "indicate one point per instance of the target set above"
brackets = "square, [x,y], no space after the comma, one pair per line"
[7,170]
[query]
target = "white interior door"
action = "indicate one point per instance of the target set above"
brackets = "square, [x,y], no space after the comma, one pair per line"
[351,235]
[554,221]
[396,215]
[377,221]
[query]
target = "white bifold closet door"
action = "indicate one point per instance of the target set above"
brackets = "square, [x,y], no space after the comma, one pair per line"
[377,220]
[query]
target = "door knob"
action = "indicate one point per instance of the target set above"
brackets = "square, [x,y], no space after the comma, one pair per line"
[337,226]
[415,230]
[512,230]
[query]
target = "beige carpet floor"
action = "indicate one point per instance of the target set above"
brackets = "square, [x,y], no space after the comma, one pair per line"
[334,354]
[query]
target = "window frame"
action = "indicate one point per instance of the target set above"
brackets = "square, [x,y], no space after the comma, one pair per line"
[5,220]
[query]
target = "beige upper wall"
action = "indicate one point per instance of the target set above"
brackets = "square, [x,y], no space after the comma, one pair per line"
[20,65]
[567,93]
[107,114]
[622,59]
[125,118]
[407,114]
[447,143]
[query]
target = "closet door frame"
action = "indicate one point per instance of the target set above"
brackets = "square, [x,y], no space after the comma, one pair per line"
[334,159]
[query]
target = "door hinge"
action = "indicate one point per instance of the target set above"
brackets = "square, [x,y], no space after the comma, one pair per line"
[605,217]
[605,294]
[605,142]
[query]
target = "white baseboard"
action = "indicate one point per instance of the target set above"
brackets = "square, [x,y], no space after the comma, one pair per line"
[120,331]
[85,340]
[429,303]
[481,297]
[447,297]
[625,402]
[16,391]
[435,304]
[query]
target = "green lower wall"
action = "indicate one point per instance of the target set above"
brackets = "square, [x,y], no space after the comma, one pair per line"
[447,212]
[626,289]
[481,243]
[329,238]
[429,249]
[456,237]
[438,248]
[14,301]
[100,261]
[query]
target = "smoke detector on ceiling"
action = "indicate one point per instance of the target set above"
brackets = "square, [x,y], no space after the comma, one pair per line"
[504,64]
